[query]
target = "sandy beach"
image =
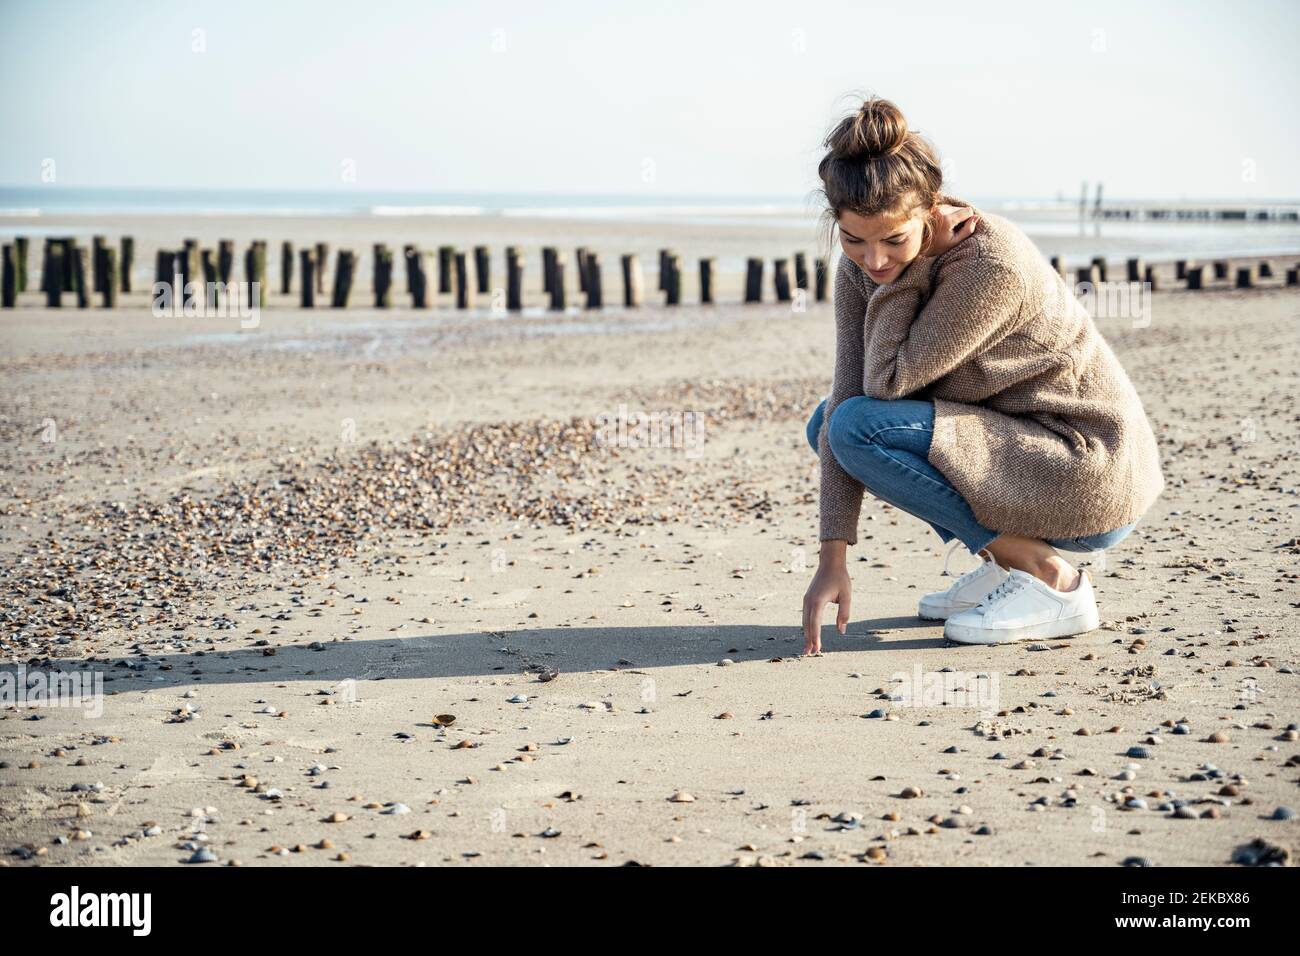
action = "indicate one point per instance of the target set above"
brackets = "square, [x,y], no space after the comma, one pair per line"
[372,588]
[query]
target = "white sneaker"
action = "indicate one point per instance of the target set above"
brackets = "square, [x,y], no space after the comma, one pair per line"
[1022,608]
[965,592]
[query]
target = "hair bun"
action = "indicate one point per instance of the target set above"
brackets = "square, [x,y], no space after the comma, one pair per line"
[878,129]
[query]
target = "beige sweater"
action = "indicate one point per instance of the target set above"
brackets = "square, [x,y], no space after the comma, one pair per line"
[1036,423]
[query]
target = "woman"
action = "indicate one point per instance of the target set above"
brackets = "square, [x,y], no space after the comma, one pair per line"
[972,390]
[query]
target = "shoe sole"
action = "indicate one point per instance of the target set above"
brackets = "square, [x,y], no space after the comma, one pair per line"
[929,612]
[1065,627]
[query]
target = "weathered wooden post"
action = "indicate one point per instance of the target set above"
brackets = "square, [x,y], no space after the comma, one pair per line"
[383,282]
[165,269]
[225,259]
[255,271]
[548,268]
[1150,278]
[1089,274]
[664,255]
[558,261]
[97,246]
[1058,264]
[209,267]
[580,262]
[8,277]
[344,268]
[466,284]
[753,280]
[55,265]
[128,262]
[1265,269]
[593,282]
[111,281]
[20,261]
[417,279]
[187,266]
[320,262]
[446,266]
[286,267]
[83,275]
[1221,267]
[307,260]
[1195,276]
[820,279]
[1180,268]
[673,279]
[69,270]
[1100,263]
[514,279]
[1136,270]
[1293,275]
[633,281]
[1246,277]
[706,281]
[482,268]
[800,271]
[781,279]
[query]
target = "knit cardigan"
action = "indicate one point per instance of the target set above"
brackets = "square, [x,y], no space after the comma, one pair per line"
[1036,423]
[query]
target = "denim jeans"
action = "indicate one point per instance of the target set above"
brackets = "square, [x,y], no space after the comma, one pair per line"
[884,445]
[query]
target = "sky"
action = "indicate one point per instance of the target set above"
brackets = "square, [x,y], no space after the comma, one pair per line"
[1160,100]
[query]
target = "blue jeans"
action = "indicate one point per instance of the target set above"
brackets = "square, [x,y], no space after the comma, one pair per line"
[884,444]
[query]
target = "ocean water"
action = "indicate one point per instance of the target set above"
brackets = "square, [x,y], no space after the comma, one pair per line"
[1055,225]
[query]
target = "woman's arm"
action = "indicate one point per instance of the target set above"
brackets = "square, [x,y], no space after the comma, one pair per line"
[841,493]
[977,301]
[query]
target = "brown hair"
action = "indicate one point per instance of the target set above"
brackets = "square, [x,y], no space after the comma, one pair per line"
[874,164]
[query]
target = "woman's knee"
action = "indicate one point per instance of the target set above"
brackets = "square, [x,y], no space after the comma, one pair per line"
[815,425]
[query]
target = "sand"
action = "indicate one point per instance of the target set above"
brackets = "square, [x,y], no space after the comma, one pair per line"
[281,691]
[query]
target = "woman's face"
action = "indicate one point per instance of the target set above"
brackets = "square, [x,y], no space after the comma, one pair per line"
[882,245]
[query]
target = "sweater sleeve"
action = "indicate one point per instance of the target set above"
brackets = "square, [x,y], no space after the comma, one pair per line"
[912,342]
[841,493]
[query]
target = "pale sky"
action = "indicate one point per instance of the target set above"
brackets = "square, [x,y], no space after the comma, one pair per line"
[1161,100]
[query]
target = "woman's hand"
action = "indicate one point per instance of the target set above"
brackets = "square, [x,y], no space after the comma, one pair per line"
[830,584]
[951,225]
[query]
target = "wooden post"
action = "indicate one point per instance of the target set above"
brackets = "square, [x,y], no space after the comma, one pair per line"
[20,261]
[165,269]
[69,271]
[1221,267]
[111,281]
[1293,275]
[209,267]
[320,262]
[633,281]
[255,270]
[1089,274]
[664,255]
[83,276]
[594,283]
[1150,278]
[754,280]
[1265,269]
[548,267]
[781,279]
[558,260]
[514,279]
[800,271]
[97,246]
[580,261]
[383,281]
[1136,270]
[344,267]
[307,259]
[482,268]
[417,279]
[286,267]
[1195,276]
[128,262]
[820,278]
[187,265]
[1100,263]
[1246,277]
[446,265]
[1058,264]
[8,277]
[1180,268]
[673,279]
[225,259]
[52,272]
[466,284]
[706,281]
